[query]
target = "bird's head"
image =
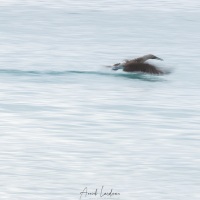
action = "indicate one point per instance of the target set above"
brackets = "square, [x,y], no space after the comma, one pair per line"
[116,64]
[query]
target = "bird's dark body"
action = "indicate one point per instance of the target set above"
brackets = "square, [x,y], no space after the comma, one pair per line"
[142,67]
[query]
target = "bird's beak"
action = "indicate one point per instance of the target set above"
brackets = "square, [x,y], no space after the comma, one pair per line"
[158,58]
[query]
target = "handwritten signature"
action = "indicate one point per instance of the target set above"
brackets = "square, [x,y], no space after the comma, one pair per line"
[96,193]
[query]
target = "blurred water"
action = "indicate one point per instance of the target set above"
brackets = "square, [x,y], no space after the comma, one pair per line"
[67,122]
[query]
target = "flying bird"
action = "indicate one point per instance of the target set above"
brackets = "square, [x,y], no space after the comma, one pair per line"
[139,65]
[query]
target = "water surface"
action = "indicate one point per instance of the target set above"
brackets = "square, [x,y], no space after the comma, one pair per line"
[67,122]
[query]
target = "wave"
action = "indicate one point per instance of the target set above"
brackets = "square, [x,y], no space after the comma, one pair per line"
[140,76]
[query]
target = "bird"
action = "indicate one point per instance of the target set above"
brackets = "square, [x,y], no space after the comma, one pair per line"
[139,65]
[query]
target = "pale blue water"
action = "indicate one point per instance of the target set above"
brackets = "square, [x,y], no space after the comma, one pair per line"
[67,122]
